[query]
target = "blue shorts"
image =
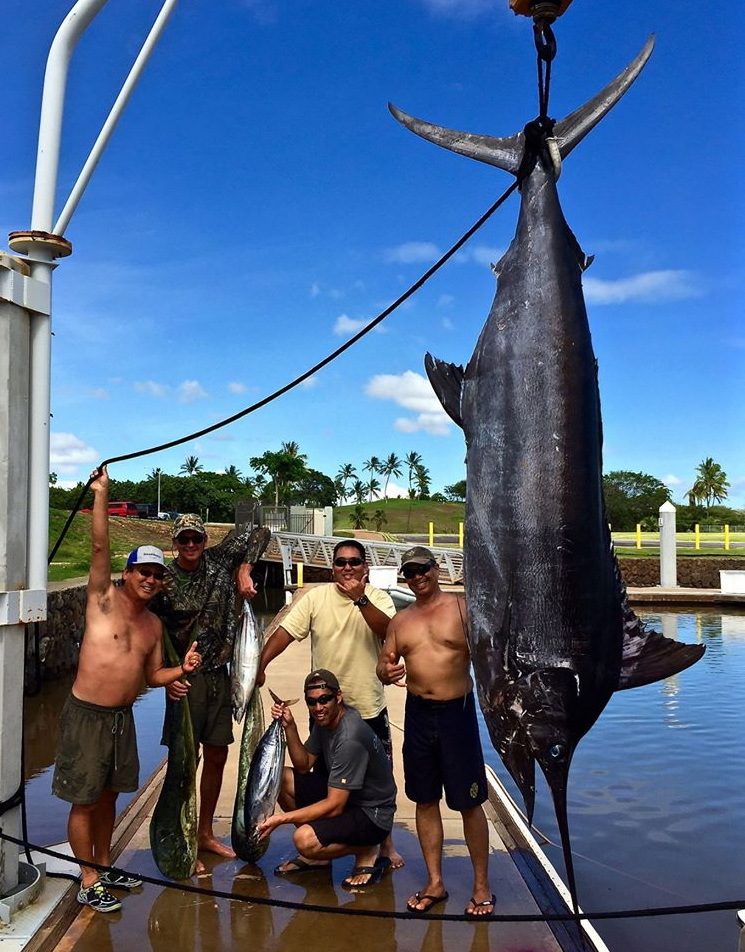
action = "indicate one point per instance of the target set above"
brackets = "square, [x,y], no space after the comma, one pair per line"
[442,749]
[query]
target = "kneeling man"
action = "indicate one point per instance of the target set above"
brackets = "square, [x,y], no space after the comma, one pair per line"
[350,812]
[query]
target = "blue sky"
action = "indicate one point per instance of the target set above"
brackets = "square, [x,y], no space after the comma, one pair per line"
[258,204]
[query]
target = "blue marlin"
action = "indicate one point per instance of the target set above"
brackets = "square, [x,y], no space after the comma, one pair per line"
[550,630]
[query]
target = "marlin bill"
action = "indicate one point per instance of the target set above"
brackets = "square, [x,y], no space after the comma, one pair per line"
[550,630]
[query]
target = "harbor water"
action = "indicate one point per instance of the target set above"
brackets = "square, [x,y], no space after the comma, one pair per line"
[656,799]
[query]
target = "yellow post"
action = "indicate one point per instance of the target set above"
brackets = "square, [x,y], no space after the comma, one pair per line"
[431,533]
[726,537]
[638,535]
[696,537]
[460,535]
[299,566]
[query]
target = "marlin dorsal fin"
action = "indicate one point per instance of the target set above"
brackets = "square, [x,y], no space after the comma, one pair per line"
[447,382]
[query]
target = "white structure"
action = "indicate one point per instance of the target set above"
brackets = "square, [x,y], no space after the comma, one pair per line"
[668,554]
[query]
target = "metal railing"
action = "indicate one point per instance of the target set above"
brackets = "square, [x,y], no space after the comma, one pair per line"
[318,550]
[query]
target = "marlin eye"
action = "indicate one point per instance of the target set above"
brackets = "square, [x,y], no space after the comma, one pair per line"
[556,751]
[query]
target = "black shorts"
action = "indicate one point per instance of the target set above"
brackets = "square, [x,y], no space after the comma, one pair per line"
[442,748]
[353,827]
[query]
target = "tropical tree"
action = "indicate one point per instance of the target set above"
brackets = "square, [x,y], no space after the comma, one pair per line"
[422,481]
[379,518]
[52,479]
[359,517]
[154,473]
[411,461]
[284,469]
[373,486]
[233,471]
[346,473]
[391,466]
[359,491]
[633,498]
[191,466]
[711,484]
[292,448]
[456,491]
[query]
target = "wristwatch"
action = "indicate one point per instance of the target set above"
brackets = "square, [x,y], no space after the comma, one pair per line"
[362,601]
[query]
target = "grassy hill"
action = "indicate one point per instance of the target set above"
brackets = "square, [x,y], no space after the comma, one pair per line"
[405,515]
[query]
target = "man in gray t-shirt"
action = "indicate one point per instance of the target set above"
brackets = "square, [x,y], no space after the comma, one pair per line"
[350,811]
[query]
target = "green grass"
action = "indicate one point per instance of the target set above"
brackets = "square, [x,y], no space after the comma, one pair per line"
[406,515]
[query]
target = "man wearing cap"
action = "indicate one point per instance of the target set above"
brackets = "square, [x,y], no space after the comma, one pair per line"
[347,620]
[441,736]
[97,747]
[198,602]
[351,810]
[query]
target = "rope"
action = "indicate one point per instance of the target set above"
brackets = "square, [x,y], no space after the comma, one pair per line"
[385,914]
[304,376]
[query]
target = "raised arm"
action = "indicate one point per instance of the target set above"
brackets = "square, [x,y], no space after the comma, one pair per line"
[99,579]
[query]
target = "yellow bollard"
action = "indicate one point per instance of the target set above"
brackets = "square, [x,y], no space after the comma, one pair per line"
[726,537]
[431,534]
[460,535]
[299,567]
[697,536]
[638,535]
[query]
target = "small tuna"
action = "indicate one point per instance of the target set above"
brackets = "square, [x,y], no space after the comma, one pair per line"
[245,663]
[253,730]
[262,785]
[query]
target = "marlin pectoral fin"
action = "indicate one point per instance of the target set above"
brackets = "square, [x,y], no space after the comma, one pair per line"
[447,381]
[649,656]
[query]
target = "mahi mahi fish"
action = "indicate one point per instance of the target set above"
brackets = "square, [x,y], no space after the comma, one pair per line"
[173,826]
[550,630]
[245,663]
[262,786]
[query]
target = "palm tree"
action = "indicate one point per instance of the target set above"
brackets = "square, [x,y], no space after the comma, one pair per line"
[283,468]
[711,484]
[391,466]
[359,491]
[359,517]
[379,517]
[191,466]
[154,473]
[373,486]
[412,460]
[346,472]
[233,471]
[292,448]
[372,465]
[422,480]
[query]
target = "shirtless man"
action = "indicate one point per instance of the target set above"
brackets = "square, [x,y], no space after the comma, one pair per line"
[97,748]
[441,738]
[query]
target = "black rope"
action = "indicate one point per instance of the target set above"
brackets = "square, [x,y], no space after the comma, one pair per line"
[308,373]
[385,914]
[545,44]
[13,801]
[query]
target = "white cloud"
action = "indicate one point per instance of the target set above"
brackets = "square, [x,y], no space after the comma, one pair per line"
[98,393]
[190,391]
[412,252]
[310,382]
[447,323]
[650,287]
[236,387]
[151,388]
[486,255]
[346,326]
[672,480]
[445,300]
[413,392]
[315,289]
[67,453]
[460,8]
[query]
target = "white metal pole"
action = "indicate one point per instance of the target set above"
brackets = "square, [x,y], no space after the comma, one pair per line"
[668,554]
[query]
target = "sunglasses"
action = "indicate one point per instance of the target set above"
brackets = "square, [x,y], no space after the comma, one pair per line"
[157,574]
[323,699]
[187,539]
[355,562]
[411,571]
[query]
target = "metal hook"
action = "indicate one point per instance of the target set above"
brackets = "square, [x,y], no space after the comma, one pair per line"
[545,41]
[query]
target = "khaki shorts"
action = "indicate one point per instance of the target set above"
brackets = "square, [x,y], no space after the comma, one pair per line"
[210,709]
[96,751]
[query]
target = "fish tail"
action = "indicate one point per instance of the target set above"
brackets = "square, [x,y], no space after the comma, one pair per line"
[278,700]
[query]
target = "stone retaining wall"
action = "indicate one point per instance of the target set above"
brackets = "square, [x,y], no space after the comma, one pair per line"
[692,572]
